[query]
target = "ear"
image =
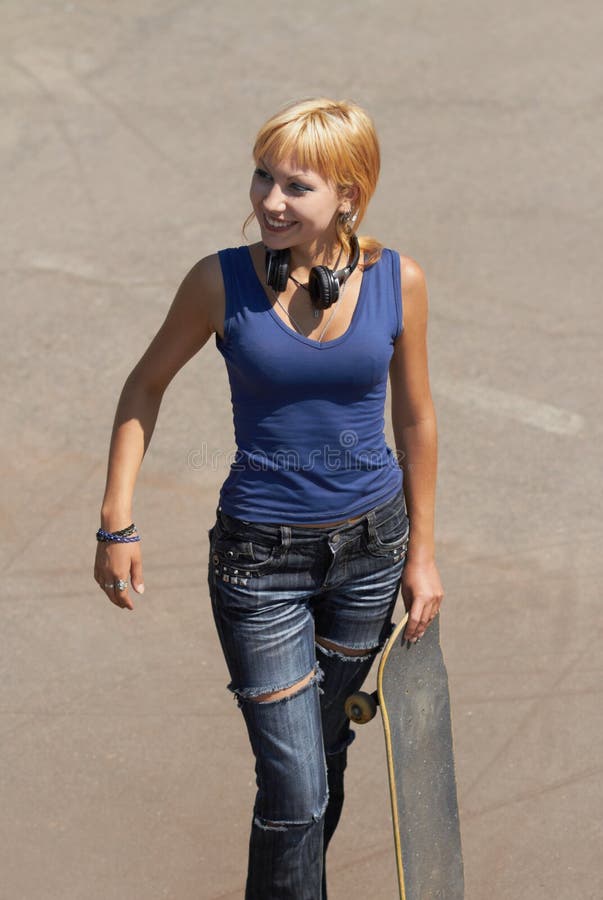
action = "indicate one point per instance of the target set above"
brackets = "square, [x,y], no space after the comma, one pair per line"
[349,198]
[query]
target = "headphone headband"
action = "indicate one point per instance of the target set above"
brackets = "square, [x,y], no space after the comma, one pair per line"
[344,274]
[323,283]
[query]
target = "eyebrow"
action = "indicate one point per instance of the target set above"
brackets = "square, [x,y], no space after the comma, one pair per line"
[262,162]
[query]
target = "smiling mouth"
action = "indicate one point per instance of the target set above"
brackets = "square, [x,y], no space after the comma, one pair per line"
[276,225]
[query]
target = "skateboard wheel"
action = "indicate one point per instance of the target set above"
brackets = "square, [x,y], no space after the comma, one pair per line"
[361,707]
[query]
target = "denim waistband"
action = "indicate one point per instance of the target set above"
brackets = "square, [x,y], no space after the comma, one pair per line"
[298,534]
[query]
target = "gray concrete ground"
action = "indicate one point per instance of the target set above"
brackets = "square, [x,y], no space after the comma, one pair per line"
[125,143]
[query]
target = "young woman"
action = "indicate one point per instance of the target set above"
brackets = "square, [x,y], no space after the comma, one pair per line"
[311,540]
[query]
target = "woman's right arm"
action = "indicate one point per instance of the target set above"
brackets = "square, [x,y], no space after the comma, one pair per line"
[195,314]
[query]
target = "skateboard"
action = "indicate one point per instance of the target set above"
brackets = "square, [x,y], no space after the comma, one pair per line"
[412,693]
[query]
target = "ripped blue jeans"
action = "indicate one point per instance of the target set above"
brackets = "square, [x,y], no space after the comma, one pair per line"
[277,591]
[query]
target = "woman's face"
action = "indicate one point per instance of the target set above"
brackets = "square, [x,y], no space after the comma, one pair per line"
[294,207]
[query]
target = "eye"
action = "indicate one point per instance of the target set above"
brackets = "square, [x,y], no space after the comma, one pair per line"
[300,188]
[262,173]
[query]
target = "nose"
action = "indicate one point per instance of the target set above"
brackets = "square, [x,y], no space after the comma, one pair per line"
[274,200]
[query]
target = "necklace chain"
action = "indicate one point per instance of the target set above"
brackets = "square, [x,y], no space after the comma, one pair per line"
[299,283]
[297,325]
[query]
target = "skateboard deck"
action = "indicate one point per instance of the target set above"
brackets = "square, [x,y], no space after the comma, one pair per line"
[412,692]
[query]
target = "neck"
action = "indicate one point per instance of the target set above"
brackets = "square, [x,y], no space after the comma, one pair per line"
[324,253]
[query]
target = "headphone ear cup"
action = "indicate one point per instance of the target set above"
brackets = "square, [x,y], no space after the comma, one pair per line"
[277,269]
[322,287]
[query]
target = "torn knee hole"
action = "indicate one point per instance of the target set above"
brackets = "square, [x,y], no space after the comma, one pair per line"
[333,649]
[280,826]
[269,826]
[313,817]
[272,696]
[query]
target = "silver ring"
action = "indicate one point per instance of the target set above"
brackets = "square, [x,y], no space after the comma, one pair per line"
[121,585]
[109,585]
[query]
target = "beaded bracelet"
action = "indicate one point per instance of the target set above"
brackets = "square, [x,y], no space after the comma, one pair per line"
[125,536]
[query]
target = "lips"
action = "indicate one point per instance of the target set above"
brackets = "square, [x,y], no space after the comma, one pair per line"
[277,226]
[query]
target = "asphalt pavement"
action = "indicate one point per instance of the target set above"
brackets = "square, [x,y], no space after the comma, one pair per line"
[125,147]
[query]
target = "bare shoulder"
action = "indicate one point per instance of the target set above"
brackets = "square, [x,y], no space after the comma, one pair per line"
[414,290]
[413,276]
[206,277]
[208,272]
[203,286]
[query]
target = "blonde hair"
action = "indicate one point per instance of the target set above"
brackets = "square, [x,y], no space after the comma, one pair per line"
[337,139]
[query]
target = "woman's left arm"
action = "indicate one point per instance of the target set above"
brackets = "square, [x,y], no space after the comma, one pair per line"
[415,433]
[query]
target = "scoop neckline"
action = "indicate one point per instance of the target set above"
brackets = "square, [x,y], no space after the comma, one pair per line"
[320,345]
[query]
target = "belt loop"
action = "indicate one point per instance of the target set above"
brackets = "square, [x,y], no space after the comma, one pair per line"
[285,536]
[370,523]
[402,496]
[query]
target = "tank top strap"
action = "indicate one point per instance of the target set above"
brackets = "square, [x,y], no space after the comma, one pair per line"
[384,309]
[394,273]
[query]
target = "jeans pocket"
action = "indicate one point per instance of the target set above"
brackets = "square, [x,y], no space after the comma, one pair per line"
[389,536]
[243,550]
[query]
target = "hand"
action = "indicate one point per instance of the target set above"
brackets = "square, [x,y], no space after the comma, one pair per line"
[423,594]
[116,562]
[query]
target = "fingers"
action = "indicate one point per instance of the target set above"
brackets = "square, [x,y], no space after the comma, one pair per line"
[423,595]
[116,589]
[421,613]
[136,575]
[119,593]
[419,619]
[112,570]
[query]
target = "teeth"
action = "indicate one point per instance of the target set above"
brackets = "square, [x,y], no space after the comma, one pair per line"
[276,223]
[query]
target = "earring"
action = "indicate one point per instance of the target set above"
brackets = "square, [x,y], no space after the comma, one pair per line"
[348,219]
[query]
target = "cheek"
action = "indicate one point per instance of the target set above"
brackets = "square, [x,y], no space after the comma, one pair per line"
[328,215]
[320,213]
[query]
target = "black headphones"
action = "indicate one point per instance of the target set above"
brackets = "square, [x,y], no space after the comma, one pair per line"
[323,283]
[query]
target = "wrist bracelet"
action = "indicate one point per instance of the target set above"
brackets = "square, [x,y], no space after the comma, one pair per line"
[125,536]
[125,532]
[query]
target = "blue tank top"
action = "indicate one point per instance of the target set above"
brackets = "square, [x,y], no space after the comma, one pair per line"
[308,416]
